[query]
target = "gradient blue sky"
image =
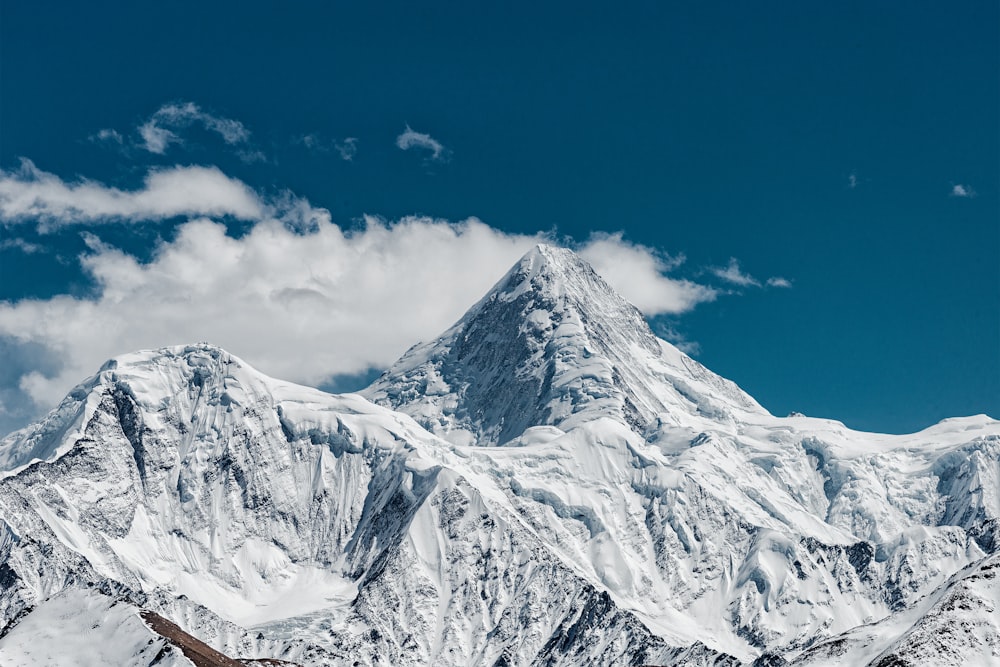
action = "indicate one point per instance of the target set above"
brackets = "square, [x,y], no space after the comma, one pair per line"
[850,148]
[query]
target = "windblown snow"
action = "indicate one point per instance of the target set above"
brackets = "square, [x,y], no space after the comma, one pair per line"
[548,483]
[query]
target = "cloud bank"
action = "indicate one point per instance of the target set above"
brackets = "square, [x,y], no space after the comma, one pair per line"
[302,306]
[296,296]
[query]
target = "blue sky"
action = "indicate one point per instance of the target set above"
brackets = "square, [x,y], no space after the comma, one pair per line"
[187,180]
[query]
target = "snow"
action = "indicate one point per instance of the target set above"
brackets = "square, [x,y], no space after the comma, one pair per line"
[546,482]
[83,627]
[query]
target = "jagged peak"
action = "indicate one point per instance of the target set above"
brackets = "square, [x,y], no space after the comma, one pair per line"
[550,344]
[554,271]
[148,377]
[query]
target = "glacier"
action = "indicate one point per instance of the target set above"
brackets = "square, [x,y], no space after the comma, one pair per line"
[547,483]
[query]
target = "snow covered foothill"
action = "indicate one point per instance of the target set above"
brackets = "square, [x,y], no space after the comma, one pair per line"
[84,627]
[546,483]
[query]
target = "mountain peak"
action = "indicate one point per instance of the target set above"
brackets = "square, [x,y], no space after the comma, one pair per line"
[551,344]
[554,269]
[151,377]
[547,258]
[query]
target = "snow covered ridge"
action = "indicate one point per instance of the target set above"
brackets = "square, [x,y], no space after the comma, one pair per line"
[547,483]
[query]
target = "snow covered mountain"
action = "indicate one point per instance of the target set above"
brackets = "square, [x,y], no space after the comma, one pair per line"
[547,483]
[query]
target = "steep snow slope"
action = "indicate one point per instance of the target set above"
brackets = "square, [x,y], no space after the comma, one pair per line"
[569,490]
[226,501]
[957,624]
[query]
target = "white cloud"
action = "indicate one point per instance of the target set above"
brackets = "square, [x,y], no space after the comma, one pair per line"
[852,181]
[639,272]
[30,194]
[108,135]
[312,142]
[778,281]
[960,190]
[733,274]
[348,148]
[26,247]
[158,132]
[412,139]
[303,306]
[156,139]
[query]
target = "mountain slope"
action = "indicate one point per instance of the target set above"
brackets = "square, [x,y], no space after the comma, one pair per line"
[226,501]
[547,483]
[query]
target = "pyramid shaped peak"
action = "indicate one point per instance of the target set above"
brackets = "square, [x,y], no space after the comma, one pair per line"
[556,272]
[551,254]
[548,258]
[552,344]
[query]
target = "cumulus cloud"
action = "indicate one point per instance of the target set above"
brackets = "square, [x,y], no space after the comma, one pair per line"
[306,306]
[732,273]
[960,190]
[30,194]
[778,281]
[413,139]
[159,132]
[640,273]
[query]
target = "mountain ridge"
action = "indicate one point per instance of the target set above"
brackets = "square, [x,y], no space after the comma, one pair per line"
[445,526]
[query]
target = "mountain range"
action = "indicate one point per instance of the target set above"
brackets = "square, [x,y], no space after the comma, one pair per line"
[547,483]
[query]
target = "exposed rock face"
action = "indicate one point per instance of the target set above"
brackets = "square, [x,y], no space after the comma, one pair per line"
[547,483]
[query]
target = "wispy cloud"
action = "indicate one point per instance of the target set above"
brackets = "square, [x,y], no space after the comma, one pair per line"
[109,136]
[32,195]
[347,148]
[960,190]
[161,130]
[312,142]
[413,139]
[732,273]
[852,180]
[668,332]
[26,247]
